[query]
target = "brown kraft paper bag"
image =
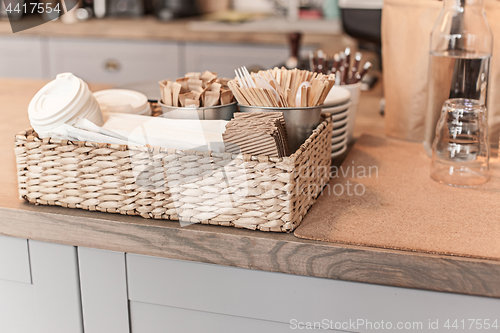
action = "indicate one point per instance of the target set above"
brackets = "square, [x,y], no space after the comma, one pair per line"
[406,31]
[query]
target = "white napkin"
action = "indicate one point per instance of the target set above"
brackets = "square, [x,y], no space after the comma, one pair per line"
[68,132]
[183,134]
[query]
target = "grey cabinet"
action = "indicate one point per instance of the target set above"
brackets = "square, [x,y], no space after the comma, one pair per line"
[55,288]
[113,61]
[129,61]
[42,292]
[23,57]
[160,289]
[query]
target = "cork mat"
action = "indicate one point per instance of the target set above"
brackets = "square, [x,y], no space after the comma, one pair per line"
[401,207]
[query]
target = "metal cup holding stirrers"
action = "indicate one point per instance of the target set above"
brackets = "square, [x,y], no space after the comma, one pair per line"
[298,94]
[299,122]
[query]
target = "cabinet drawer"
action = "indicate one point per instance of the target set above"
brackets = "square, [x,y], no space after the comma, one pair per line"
[284,297]
[22,57]
[150,318]
[112,61]
[14,260]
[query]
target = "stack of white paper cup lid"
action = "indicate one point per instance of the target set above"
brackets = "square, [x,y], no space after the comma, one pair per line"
[123,101]
[62,101]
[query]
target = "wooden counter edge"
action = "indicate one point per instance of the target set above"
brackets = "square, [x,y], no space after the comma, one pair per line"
[254,250]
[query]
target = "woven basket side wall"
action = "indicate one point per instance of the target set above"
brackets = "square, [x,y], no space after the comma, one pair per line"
[254,192]
[312,170]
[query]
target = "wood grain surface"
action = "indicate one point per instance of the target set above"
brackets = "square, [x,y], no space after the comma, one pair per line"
[225,246]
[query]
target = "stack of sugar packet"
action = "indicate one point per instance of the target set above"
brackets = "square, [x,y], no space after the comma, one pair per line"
[196,90]
[257,133]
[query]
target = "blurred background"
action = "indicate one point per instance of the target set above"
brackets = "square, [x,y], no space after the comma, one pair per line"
[132,41]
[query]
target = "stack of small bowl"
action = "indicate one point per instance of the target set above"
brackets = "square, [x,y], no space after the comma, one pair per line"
[337,105]
[123,101]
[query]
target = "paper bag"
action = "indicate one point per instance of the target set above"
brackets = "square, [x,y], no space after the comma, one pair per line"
[406,31]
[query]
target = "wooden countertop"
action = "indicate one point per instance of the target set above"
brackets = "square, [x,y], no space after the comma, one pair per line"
[225,246]
[149,28]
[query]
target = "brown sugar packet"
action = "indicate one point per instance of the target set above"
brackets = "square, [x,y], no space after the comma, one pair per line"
[190,103]
[198,89]
[195,85]
[183,97]
[163,85]
[211,98]
[207,76]
[215,87]
[183,81]
[207,84]
[176,89]
[196,96]
[167,94]
[226,97]
[193,75]
[223,81]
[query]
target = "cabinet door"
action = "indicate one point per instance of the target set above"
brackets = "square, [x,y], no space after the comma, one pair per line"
[57,289]
[225,58]
[17,294]
[104,291]
[51,303]
[22,57]
[18,306]
[113,61]
[292,299]
[14,260]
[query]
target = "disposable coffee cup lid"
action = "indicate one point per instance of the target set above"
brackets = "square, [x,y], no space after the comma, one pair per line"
[54,97]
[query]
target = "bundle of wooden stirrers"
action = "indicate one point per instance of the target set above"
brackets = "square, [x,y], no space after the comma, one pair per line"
[280,87]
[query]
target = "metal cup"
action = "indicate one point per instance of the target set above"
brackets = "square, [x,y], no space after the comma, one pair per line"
[300,122]
[219,112]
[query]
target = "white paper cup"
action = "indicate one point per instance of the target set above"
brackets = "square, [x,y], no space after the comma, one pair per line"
[62,101]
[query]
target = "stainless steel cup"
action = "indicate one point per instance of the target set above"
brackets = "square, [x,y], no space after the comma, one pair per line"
[300,122]
[219,112]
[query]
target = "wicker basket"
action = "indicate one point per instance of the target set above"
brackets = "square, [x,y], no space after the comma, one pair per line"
[254,192]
